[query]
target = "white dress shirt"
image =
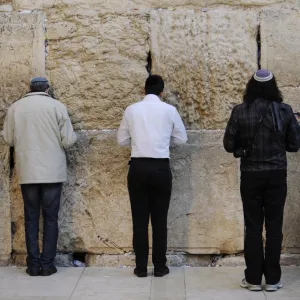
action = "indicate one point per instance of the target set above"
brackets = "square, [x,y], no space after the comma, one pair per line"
[149,126]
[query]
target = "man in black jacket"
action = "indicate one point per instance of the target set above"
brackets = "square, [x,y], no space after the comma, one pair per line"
[260,131]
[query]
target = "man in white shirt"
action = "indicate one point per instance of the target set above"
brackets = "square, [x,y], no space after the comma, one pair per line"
[149,126]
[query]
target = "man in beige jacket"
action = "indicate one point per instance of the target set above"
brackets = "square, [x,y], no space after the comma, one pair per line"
[39,129]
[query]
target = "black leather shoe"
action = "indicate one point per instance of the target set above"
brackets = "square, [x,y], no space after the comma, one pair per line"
[140,273]
[161,272]
[33,272]
[48,272]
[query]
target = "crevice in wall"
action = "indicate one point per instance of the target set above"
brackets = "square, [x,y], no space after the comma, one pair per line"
[258,41]
[149,63]
[79,256]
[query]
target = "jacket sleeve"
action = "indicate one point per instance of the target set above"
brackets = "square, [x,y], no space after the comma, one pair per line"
[179,135]
[123,135]
[231,132]
[8,129]
[293,135]
[67,134]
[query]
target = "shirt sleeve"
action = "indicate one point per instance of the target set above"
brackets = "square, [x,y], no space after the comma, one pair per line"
[231,132]
[293,135]
[123,135]
[67,134]
[9,128]
[179,135]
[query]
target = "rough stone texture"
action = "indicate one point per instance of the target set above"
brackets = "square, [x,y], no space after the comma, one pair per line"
[5,219]
[6,8]
[128,260]
[97,64]
[123,5]
[292,97]
[205,215]
[237,261]
[206,60]
[280,44]
[22,55]
[291,240]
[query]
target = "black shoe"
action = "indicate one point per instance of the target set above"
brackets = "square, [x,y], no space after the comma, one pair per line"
[161,272]
[33,272]
[48,272]
[140,273]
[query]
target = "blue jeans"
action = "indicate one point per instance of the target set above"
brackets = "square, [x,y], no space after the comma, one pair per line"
[46,196]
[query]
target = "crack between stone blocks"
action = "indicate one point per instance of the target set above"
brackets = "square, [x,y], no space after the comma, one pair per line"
[258,42]
[149,63]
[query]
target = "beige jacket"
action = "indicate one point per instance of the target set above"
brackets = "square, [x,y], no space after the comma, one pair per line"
[39,128]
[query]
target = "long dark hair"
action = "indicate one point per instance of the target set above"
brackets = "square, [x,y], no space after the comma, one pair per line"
[264,90]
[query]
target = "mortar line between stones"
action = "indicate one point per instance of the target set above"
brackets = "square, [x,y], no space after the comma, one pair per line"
[77,283]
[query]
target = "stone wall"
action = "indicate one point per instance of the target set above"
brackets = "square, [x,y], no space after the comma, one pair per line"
[97,55]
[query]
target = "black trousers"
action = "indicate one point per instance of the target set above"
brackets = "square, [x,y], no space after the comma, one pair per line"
[263,195]
[150,186]
[46,196]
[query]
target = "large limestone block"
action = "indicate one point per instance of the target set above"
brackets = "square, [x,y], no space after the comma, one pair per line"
[291,240]
[95,217]
[206,60]
[280,45]
[5,216]
[97,64]
[206,212]
[22,55]
[118,5]
[95,214]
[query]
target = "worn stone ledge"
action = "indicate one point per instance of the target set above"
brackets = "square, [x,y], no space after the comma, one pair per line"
[123,5]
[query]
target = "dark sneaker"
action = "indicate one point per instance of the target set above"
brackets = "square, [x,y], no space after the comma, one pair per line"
[33,272]
[48,272]
[140,273]
[161,272]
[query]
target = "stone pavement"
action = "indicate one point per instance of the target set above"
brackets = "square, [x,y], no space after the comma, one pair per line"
[116,284]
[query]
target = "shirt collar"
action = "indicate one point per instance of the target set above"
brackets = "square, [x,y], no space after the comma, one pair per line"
[36,94]
[152,98]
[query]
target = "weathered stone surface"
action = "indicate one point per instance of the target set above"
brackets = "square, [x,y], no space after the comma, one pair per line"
[205,214]
[95,214]
[128,260]
[292,97]
[6,8]
[97,64]
[119,5]
[22,55]
[5,219]
[280,45]
[206,60]
[291,240]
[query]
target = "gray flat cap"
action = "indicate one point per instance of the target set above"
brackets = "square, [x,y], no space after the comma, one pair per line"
[39,79]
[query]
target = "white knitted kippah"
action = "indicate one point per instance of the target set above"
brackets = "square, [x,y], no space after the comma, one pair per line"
[263,75]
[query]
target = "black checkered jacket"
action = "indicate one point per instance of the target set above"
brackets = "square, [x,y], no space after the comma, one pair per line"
[274,136]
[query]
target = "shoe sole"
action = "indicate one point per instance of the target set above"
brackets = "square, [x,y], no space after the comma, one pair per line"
[274,289]
[254,289]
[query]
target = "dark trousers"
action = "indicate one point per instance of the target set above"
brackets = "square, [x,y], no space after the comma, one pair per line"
[46,196]
[263,195]
[150,186]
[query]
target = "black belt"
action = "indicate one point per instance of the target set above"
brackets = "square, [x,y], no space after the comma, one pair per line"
[149,159]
